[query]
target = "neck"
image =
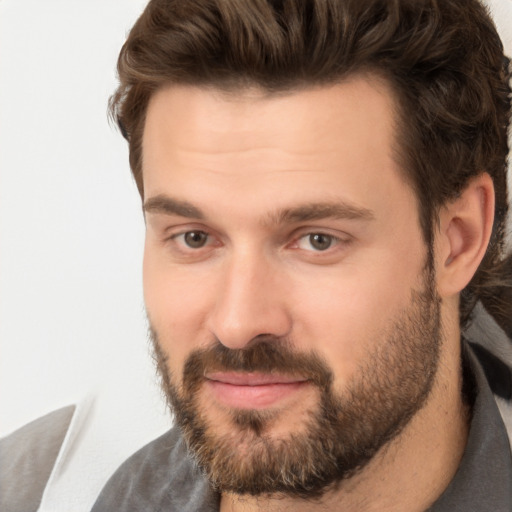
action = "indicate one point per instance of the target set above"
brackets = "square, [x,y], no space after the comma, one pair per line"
[410,473]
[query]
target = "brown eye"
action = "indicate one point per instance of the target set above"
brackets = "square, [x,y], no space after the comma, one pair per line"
[320,242]
[195,239]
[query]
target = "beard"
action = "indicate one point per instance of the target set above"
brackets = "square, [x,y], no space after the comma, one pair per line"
[338,436]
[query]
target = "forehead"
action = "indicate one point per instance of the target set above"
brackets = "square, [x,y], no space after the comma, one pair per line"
[337,140]
[202,117]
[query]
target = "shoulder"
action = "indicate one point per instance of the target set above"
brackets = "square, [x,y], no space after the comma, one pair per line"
[160,476]
[28,456]
[492,348]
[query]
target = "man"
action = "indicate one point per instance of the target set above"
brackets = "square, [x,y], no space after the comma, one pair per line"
[324,190]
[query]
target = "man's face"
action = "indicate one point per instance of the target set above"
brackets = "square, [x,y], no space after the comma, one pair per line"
[285,277]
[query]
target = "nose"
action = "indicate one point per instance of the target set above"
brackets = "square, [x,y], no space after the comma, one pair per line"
[251,301]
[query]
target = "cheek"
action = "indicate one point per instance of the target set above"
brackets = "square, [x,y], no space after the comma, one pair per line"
[346,315]
[176,301]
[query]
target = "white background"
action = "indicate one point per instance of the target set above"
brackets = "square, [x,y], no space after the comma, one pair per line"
[72,321]
[71,308]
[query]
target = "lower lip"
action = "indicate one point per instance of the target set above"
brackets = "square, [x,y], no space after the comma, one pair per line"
[253,397]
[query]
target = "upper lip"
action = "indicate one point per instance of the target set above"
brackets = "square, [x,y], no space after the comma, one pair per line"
[252,379]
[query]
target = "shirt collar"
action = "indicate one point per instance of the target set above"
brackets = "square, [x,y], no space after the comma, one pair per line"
[484,478]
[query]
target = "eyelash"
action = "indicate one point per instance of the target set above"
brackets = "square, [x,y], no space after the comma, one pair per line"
[191,231]
[335,243]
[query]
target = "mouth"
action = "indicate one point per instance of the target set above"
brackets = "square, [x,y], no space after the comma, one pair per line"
[253,390]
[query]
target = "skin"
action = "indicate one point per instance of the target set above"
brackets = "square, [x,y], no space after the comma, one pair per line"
[231,166]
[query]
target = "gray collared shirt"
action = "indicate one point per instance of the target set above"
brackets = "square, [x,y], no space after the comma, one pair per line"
[483,481]
[161,477]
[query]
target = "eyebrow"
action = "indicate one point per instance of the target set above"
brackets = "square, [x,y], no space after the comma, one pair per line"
[318,211]
[169,206]
[302,213]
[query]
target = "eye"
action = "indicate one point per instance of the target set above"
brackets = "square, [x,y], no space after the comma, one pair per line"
[193,239]
[317,242]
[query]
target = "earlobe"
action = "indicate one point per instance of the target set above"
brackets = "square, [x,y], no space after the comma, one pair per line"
[465,226]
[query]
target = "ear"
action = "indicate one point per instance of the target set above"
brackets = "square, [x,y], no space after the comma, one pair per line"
[465,226]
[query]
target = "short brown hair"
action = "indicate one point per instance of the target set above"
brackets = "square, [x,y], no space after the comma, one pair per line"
[443,58]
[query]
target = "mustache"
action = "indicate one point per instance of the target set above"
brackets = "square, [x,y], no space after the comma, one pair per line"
[264,354]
